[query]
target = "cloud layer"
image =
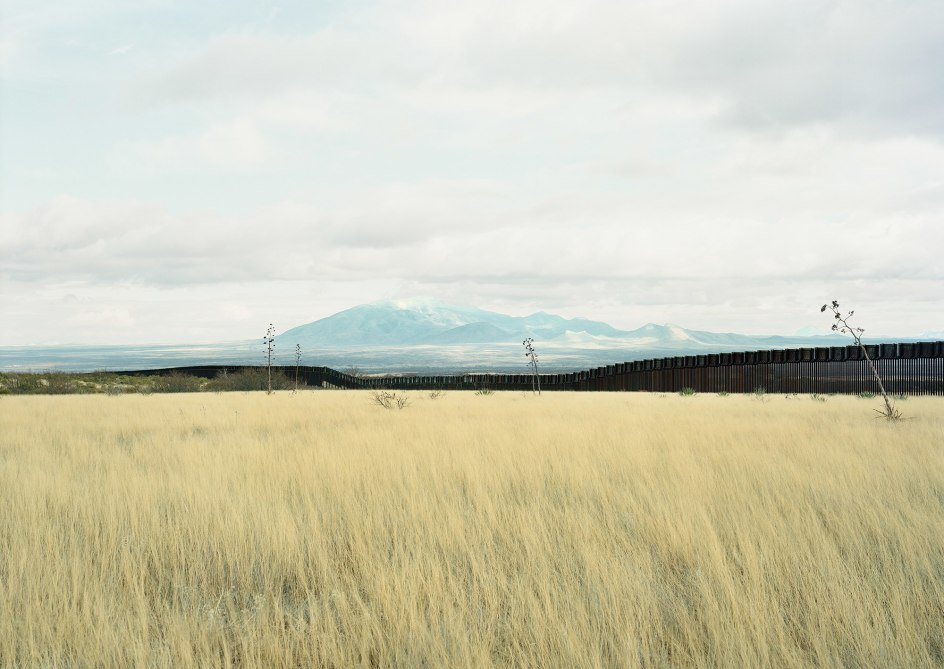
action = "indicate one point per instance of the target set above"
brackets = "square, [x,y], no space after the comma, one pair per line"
[726,166]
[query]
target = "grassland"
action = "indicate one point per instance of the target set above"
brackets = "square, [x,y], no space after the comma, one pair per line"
[570,530]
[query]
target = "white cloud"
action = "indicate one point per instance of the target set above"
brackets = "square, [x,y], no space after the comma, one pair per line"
[256,66]
[106,319]
[235,145]
[8,51]
[479,228]
[772,64]
[121,50]
[238,144]
[724,162]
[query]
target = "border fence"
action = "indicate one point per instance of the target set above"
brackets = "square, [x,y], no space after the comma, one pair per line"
[912,369]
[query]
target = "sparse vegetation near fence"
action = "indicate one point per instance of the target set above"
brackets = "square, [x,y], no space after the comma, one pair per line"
[389,399]
[596,530]
[65,383]
[909,369]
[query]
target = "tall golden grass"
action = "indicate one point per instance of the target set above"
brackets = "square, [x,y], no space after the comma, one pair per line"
[568,530]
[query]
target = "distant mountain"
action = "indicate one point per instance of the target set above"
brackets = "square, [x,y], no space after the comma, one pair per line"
[428,321]
[423,335]
[472,333]
[675,336]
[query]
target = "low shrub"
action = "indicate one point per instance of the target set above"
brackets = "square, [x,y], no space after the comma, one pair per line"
[251,379]
[50,383]
[175,383]
[389,399]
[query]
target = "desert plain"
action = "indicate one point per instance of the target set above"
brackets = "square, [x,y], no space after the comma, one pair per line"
[317,529]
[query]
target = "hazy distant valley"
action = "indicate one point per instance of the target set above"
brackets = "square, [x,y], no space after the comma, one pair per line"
[420,335]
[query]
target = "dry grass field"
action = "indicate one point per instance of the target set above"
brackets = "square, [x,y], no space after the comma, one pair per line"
[568,530]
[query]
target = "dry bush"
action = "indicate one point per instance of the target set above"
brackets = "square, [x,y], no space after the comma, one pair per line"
[389,399]
[44,383]
[250,379]
[176,383]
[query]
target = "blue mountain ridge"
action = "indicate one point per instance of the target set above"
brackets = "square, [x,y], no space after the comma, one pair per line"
[423,335]
[426,321]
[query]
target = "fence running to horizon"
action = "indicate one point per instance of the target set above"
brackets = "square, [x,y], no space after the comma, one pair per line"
[912,369]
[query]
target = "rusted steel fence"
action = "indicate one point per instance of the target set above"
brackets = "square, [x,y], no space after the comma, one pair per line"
[912,369]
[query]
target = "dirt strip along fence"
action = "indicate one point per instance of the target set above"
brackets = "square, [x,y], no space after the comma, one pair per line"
[906,369]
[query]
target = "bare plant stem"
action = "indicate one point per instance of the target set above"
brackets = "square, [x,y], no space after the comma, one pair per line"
[842,325]
[532,356]
[269,341]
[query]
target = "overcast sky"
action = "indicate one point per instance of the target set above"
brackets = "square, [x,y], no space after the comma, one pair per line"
[181,172]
